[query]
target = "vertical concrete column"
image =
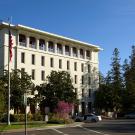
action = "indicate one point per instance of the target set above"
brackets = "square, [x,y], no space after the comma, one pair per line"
[71,51]
[37,44]
[17,39]
[55,47]
[63,49]
[78,52]
[46,43]
[84,53]
[27,41]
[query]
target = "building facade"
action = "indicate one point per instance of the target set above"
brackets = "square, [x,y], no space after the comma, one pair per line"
[38,53]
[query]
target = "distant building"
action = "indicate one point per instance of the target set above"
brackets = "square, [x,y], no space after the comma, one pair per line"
[38,53]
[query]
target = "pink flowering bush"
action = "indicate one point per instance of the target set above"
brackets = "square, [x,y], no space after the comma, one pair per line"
[63,109]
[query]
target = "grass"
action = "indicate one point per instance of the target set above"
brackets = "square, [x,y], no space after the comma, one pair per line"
[18,125]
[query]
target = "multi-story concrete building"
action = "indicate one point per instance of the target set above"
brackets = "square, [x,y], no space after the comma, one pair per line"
[38,53]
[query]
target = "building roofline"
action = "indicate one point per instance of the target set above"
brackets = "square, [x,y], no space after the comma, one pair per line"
[51,34]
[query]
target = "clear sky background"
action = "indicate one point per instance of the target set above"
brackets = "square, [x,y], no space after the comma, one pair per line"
[107,23]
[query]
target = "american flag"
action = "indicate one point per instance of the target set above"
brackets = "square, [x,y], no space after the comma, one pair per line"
[10,45]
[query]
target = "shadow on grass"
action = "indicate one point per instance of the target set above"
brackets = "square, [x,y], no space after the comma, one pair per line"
[20,125]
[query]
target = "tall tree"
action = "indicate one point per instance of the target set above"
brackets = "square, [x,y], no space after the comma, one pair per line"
[103,98]
[125,69]
[116,76]
[129,75]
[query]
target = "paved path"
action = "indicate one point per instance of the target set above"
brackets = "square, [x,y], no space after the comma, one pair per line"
[106,127]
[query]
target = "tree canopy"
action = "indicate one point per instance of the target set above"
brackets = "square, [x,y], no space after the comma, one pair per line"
[20,82]
[58,87]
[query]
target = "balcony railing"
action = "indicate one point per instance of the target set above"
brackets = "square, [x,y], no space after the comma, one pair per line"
[42,47]
[59,51]
[32,46]
[67,53]
[22,44]
[74,55]
[82,56]
[88,57]
[51,50]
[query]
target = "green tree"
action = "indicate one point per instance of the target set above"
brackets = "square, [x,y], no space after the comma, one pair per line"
[116,81]
[109,95]
[2,97]
[57,88]
[103,98]
[20,82]
[129,77]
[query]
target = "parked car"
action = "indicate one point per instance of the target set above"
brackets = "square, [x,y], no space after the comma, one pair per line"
[88,118]
[79,118]
[92,118]
[130,115]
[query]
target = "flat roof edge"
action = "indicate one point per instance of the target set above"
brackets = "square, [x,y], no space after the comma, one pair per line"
[51,34]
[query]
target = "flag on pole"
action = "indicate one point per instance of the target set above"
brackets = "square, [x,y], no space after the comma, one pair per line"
[10,46]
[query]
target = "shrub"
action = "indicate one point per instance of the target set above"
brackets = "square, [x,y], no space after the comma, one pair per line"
[4,118]
[19,117]
[56,121]
[38,117]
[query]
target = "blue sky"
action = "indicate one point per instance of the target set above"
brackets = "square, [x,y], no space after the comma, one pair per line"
[107,23]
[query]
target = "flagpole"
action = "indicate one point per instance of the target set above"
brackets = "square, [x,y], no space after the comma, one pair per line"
[9,77]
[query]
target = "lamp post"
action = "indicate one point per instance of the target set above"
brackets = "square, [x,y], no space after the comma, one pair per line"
[25,104]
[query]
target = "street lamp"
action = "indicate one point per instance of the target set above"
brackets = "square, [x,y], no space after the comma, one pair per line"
[25,104]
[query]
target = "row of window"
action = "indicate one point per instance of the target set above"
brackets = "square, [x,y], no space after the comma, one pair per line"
[83,92]
[43,76]
[51,47]
[52,62]
[89,93]
[88,80]
[33,74]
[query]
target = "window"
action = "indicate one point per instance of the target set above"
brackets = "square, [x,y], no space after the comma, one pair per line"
[76,91]
[89,92]
[82,92]
[50,46]
[89,68]
[75,79]
[22,69]
[42,75]
[60,63]
[51,62]
[82,79]
[32,42]
[42,61]
[59,48]
[89,107]
[89,80]
[22,40]
[41,44]
[33,59]
[75,66]
[74,52]
[82,67]
[81,53]
[88,54]
[22,57]
[67,51]
[68,65]
[33,74]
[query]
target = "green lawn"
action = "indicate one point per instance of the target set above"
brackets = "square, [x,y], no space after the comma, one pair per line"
[17,125]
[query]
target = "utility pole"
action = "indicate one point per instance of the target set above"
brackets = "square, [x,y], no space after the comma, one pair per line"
[25,104]
[9,59]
